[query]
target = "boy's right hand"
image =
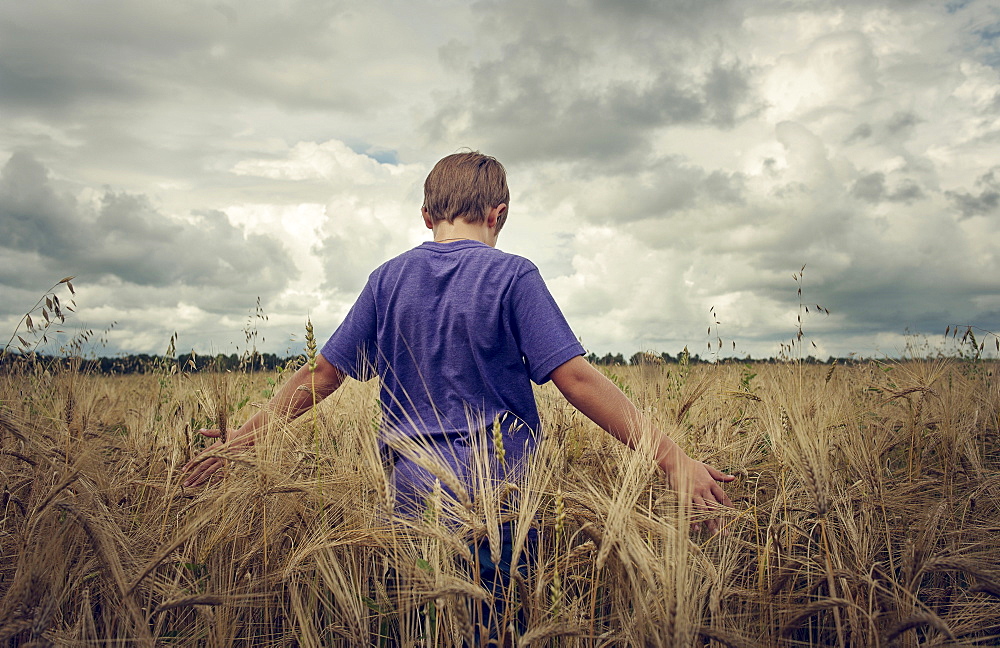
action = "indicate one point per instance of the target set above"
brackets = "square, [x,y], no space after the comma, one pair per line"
[202,467]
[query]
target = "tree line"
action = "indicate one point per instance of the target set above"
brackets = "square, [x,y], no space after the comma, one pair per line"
[648,358]
[143,363]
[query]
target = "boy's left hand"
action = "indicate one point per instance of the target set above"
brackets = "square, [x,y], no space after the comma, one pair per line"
[699,483]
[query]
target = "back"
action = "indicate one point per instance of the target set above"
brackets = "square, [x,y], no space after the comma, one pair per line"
[456,332]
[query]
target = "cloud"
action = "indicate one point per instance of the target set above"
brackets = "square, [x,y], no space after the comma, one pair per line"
[333,162]
[370,208]
[862,132]
[125,237]
[116,53]
[657,188]
[986,203]
[597,87]
[902,121]
[872,188]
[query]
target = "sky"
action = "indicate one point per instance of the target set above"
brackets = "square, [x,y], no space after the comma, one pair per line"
[227,170]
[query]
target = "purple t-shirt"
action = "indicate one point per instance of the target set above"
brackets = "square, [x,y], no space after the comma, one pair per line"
[456,332]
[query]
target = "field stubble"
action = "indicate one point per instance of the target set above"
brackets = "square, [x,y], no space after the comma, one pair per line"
[866,513]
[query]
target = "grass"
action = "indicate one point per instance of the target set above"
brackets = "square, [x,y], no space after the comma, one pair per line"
[866,515]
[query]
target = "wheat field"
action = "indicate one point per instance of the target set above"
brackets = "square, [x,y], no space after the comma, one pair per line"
[867,507]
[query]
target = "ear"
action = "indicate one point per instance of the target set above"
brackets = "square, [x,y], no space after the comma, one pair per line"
[428,221]
[494,215]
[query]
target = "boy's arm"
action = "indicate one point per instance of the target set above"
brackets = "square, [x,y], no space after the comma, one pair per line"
[601,401]
[297,396]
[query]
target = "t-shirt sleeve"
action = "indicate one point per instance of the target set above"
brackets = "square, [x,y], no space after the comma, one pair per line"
[543,335]
[353,346]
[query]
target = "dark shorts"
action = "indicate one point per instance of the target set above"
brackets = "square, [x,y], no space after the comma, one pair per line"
[500,580]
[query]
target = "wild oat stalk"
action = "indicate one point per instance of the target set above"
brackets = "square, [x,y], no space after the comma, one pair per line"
[51,310]
[311,361]
[556,586]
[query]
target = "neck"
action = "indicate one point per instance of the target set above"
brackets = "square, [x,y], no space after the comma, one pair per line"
[445,232]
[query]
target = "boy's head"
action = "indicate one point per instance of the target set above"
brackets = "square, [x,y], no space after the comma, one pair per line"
[466,186]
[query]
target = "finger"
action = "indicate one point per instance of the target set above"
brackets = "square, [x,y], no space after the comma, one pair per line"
[203,471]
[706,505]
[189,466]
[701,506]
[197,478]
[215,434]
[199,457]
[711,499]
[718,475]
[194,476]
[715,525]
[206,475]
[720,496]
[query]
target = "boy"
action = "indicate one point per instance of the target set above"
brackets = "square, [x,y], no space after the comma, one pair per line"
[456,331]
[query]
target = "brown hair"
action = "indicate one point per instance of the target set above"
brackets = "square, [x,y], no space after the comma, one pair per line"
[467,186]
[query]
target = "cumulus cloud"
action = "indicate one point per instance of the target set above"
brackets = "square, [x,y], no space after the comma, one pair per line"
[987,202]
[872,188]
[124,237]
[661,188]
[598,86]
[370,211]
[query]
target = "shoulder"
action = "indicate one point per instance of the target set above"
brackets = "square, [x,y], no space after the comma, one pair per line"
[402,258]
[394,265]
[518,264]
[516,273]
